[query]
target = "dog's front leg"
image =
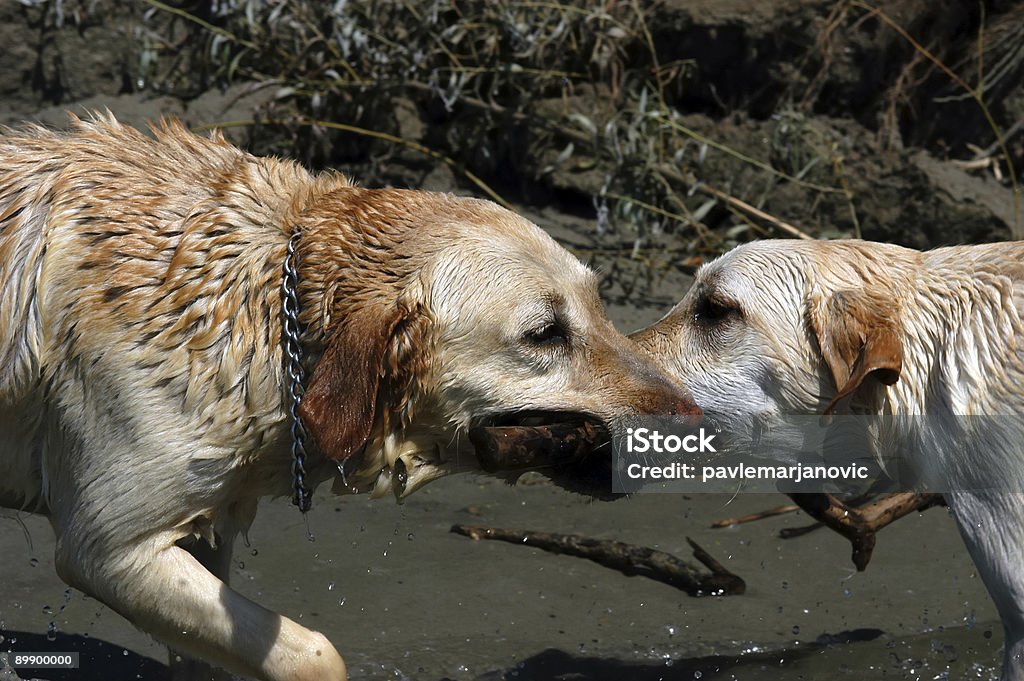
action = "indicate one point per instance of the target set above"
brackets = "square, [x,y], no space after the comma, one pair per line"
[165,591]
[992,525]
[218,562]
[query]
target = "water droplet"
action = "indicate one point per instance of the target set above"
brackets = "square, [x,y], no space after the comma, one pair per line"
[796,629]
[241,565]
[330,587]
[255,552]
[51,632]
[671,630]
[785,585]
[48,610]
[33,562]
[125,653]
[411,536]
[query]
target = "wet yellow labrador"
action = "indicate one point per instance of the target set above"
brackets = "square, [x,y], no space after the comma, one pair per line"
[144,401]
[779,328]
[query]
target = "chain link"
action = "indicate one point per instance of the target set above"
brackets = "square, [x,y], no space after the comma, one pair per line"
[295,374]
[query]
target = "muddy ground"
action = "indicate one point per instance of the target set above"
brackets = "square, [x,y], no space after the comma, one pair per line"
[400,596]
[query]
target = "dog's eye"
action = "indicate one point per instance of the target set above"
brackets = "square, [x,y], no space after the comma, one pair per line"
[552,333]
[714,311]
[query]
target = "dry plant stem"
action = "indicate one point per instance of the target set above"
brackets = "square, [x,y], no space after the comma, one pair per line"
[586,138]
[672,173]
[994,147]
[753,517]
[756,212]
[626,558]
[860,524]
[205,24]
[376,134]
[725,149]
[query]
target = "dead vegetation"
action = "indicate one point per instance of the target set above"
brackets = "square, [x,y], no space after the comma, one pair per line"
[680,128]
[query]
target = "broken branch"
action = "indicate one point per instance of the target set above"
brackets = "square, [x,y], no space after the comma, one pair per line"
[860,524]
[752,517]
[626,558]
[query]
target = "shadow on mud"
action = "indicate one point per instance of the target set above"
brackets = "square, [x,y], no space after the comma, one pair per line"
[557,665]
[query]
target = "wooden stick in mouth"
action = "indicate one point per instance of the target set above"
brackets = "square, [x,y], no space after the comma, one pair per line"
[511,448]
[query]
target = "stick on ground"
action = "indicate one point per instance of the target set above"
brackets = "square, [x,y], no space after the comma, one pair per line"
[752,517]
[626,558]
[860,524]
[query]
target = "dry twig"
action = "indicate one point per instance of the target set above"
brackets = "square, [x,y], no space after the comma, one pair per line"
[753,517]
[860,524]
[626,558]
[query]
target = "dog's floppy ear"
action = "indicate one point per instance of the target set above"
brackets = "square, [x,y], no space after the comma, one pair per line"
[858,338]
[340,402]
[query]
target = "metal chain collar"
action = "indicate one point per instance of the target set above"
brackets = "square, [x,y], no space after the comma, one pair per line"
[291,333]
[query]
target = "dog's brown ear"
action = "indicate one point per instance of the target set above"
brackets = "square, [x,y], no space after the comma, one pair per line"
[858,338]
[340,402]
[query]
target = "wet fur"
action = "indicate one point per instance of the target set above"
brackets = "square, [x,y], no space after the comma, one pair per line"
[141,390]
[873,328]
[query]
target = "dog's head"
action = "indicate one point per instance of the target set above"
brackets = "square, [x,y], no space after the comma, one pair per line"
[436,314]
[778,328]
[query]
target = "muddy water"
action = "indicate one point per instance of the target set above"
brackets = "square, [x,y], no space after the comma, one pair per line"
[403,598]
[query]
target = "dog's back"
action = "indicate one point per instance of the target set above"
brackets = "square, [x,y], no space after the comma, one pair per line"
[26,183]
[55,190]
[1004,259]
[112,242]
[28,172]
